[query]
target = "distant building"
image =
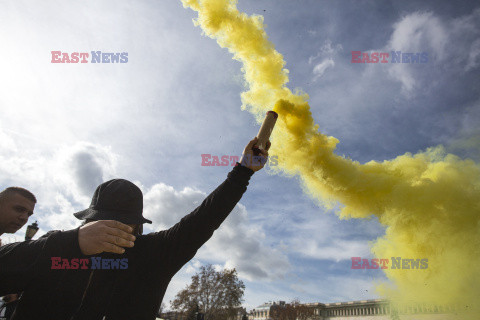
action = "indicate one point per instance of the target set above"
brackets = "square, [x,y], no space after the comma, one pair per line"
[377,309]
[263,311]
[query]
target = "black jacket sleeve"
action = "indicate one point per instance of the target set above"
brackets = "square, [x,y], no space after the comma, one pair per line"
[180,243]
[21,262]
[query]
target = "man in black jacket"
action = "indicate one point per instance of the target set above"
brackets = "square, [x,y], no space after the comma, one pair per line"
[16,206]
[125,279]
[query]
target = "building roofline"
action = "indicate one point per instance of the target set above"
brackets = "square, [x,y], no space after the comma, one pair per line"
[329,305]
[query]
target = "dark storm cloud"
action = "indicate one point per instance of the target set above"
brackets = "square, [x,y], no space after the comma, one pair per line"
[87,171]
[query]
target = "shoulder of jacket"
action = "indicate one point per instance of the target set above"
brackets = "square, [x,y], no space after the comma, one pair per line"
[49,233]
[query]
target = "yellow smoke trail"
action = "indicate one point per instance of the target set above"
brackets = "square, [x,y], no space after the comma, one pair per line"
[429,202]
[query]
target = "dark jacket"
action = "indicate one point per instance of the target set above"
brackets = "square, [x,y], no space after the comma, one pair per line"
[133,293]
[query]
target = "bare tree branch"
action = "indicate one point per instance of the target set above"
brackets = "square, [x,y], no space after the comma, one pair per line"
[216,294]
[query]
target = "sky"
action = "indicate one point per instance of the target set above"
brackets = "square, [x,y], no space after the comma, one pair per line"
[66,128]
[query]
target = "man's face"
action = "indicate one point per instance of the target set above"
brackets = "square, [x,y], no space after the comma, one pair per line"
[14,212]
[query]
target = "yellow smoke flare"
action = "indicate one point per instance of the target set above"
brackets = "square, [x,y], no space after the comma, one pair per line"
[429,202]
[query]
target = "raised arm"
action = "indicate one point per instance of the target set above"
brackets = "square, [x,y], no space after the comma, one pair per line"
[181,242]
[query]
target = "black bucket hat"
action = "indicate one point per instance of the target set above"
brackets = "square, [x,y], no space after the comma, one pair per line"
[117,199]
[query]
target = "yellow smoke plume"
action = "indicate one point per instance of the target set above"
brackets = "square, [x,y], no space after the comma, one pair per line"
[429,201]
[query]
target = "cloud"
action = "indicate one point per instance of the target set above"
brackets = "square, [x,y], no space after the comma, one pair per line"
[324,237]
[465,40]
[326,50]
[7,144]
[418,30]
[336,250]
[452,46]
[412,106]
[473,56]
[62,180]
[87,171]
[320,68]
[165,206]
[236,244]
[89,165]
[244,247]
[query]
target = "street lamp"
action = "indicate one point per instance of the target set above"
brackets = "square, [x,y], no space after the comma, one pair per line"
[31,230]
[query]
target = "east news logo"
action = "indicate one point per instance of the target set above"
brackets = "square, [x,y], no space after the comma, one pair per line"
[96,57]
[92,263]
[225,160]
[397,263]
[396,57]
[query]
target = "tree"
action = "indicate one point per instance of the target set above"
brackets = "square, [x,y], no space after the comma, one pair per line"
[216,294]
[291,311]
[304,312]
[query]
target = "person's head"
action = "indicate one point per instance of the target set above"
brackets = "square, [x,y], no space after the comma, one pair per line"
[119,200]
[16,206]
